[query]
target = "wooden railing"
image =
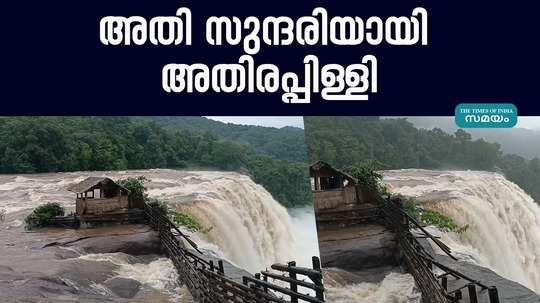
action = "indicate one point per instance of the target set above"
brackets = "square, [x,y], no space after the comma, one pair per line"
[423,266]
[208,282]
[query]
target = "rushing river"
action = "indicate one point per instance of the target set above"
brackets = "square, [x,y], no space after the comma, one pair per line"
[246,226]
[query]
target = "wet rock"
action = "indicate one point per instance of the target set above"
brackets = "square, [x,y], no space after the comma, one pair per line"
[130,239]
[49,265]
[122,287]
[358,248]
[143,243]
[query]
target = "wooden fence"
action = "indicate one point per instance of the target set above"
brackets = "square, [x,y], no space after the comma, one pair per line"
[434,287]
[208,282]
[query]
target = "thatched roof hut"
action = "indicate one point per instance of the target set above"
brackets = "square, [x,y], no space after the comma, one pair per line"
[99,195]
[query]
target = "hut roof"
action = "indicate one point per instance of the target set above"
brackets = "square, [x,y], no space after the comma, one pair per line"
[323,166]
[91,182]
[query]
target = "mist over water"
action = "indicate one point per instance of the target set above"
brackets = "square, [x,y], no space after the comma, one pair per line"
[305,232]
[504,232]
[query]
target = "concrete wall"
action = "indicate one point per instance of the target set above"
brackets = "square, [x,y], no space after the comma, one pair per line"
[328,199]
[98,206]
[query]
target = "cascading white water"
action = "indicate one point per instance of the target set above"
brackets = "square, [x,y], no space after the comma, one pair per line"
[504,232]
[248,226]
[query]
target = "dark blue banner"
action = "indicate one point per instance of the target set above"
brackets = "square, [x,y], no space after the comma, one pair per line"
[477,52]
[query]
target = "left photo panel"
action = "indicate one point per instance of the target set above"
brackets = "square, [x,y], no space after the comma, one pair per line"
[156,209]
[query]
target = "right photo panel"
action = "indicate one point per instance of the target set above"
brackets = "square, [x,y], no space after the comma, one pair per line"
[415,209]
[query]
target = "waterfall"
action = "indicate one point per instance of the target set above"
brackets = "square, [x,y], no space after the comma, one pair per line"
[247,226]
[504,222]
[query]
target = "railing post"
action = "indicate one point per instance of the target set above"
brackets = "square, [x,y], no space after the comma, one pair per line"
[458,295]
[294,287]
[265,279]
[444,282]
[493,294]
[316,263]
[472,293]
[319,293]
[220,266]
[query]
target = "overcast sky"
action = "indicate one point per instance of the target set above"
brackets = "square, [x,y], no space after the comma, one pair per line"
[524,122]
[529,122]
[278,122]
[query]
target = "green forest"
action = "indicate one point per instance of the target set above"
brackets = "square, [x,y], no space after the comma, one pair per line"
[60,144]
[396,144]
[286,143]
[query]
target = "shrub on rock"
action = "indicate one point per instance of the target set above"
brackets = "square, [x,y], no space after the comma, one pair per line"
[42,215]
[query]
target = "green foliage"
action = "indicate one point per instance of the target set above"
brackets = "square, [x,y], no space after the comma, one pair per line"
[41,215]
[397,144]
[160,205]
[137,190]
[189,221]
[184,219]
[429,217]
[411,208]
[285,143]
[366,174]
[288,182]
[443,222]
[54,144]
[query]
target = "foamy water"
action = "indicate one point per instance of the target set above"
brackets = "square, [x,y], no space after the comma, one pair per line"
[395,288]
[504,232]
[159,274]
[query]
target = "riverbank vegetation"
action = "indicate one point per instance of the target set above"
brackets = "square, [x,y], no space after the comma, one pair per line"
[429,217]
[186,220]
[41,215]
[366,175]
[397,144]
[189,221]
[60,144]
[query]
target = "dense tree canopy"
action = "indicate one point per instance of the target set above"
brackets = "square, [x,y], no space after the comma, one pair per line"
[396,143]
[55,144]
[285,143]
